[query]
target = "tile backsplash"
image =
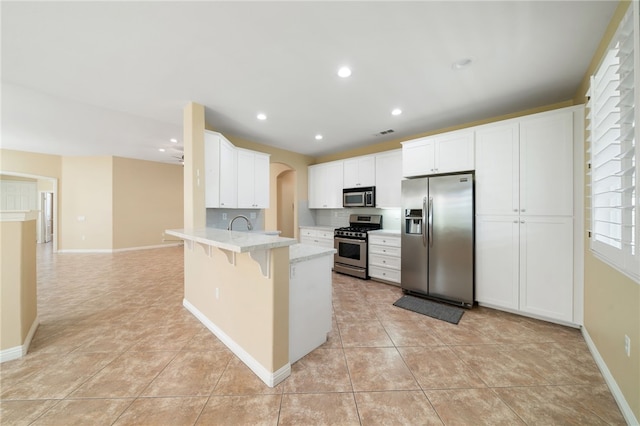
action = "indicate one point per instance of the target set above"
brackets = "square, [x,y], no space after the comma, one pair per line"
[220,218]
[340,217]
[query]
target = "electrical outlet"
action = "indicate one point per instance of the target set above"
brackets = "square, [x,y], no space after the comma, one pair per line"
[627,345]
[224,216]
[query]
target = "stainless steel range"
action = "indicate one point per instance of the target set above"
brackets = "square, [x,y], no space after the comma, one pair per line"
[350,243]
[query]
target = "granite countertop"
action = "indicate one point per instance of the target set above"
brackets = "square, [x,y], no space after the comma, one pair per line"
[304,252]
[235,241]
[392,232]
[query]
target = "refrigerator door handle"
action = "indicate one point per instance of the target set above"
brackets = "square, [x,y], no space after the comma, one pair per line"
[424,221]
[430,221]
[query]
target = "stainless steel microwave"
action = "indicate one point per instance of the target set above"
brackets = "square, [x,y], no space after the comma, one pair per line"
[359,197]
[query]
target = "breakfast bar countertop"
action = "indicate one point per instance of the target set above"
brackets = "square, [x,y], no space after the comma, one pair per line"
[235,241]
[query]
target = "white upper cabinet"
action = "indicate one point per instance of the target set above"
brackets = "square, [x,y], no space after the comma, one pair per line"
[325,185]
[253,179]
[220,163]
[388,179]
[444,153]
[546,164]
[525,167]
[359,171]
[497,170]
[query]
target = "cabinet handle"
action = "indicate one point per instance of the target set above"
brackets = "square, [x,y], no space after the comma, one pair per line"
[515,221]
[522,221]
[523,210]
[515,210]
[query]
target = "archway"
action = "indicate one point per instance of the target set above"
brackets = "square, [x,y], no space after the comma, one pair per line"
[282,214]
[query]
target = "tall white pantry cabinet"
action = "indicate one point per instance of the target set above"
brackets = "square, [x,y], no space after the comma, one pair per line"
[525,214]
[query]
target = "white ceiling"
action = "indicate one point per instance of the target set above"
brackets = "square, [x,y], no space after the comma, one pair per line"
[112,78]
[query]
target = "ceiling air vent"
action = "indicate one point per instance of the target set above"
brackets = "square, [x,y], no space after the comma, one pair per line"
[385,132]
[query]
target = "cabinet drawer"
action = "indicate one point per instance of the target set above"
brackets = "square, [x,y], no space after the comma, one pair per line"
[384,274]
[384,240]
[325,234]
[386,261]
[385,250]
[305,232]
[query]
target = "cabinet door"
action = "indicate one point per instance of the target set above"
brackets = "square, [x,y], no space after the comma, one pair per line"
[350,173]
[546,266]
[418,157]
[497,170]
[325,185]
[261,180]
[332,185]
[388,179]
[359,171]
[313,187]
[246,179]
[497,261]
[228,174]
[454,152]
[546,164]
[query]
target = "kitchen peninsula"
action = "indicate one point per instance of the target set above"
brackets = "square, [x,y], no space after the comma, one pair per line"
[244,287]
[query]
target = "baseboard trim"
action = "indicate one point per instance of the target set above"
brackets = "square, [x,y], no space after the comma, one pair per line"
[17,352]
[611,382]
[269,378]
[108,251]
[530,315]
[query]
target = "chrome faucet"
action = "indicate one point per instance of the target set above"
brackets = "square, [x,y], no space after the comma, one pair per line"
[249,226]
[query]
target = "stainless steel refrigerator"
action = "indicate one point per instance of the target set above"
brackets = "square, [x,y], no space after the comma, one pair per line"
[438,238]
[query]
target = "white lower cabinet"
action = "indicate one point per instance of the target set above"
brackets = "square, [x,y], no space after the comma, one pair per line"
[525,264]
[316,237]
[384,257]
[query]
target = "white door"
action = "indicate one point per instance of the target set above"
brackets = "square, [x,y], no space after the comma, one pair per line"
[546,165]
[497,261]
[546,266]
[47,216]
[454,152]
[228,175]
[497,170]
[418,157]
[246,179]
[388,179]
[261,181]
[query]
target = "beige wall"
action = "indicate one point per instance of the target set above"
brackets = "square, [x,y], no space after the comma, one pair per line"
[611,299]
[87,186]
[195,212]
[147,199]
[18,305]
[396,143]
[30,163]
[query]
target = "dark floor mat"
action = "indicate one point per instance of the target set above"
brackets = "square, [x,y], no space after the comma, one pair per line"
[430,308]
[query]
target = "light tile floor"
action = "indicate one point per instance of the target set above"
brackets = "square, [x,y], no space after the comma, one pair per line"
[115,346]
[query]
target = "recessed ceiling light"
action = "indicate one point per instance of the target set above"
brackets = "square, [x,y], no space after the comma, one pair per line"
[261,116]
[174,140]
[318,137]
[344,72]
[396,111]
[161,149]
[462,63]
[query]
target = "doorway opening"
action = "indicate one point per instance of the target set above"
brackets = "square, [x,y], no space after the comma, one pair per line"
[45,185]
[282,214]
